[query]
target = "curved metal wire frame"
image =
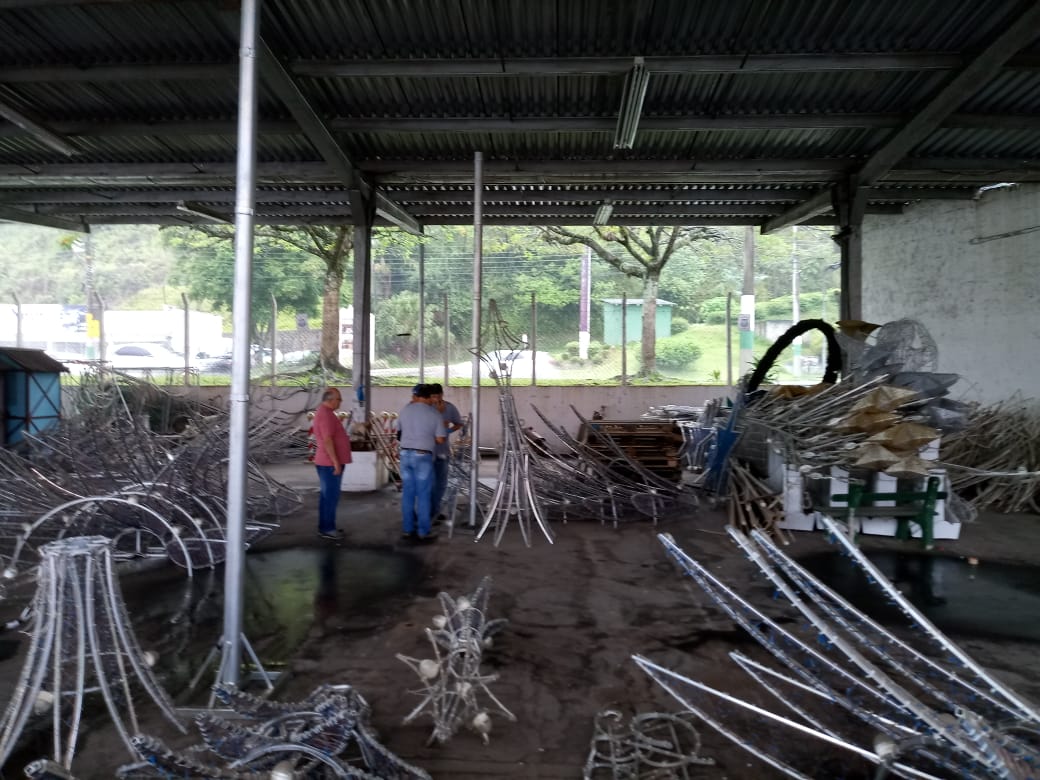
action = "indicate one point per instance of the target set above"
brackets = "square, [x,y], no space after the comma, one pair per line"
[853,679]
[453,684]
[81,642]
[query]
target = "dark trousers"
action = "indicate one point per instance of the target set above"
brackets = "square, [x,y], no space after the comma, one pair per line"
[440,484]
[329,498]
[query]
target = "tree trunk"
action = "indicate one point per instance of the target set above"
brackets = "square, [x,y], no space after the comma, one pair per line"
[330,331]
[648,346]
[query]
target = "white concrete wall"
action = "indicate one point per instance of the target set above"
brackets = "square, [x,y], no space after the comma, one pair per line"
[620,403]
[950,265]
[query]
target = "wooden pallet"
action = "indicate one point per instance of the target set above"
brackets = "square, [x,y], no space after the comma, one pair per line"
[654,444]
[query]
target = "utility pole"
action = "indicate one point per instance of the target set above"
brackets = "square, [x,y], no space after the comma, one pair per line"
[747,304]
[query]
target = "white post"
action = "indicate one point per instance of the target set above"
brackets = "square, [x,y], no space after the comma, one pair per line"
[747,305]
[584,336]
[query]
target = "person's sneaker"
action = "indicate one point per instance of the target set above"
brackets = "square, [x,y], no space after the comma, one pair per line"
[336,535]
[430,537]
[409,536]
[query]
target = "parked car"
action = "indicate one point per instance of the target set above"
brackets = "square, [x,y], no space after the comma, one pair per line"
[144,356]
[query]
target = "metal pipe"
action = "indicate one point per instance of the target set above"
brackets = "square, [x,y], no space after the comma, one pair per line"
[238,439]
[101,325]
[478,267]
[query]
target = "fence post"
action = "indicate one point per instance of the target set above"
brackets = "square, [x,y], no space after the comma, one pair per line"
[274,339]
[447,343]
[187,340]
[534,338]
[624,340]
[101,326]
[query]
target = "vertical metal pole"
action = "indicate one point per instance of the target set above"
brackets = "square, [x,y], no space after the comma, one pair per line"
[274,339]
[447,343]
[729,339]
[478,284]
[534,338]
[747,304]
[585,294]
[363,346]
[187,340]
[624,339]
[238,439]
[422,312]
[18,319]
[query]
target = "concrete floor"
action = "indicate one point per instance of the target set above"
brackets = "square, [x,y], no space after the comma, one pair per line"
[577,610]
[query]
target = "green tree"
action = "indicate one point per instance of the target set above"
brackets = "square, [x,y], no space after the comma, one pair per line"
[206,267]
[640,253]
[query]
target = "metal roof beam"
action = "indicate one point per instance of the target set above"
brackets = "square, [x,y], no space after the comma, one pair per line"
[966,83]
[470,124]
[314,174]
[584,66]
[320,136]
[37,129]
[9,214]
[536,66]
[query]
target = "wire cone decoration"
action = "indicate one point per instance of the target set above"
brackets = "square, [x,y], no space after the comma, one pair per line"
[81,642]
[515,496]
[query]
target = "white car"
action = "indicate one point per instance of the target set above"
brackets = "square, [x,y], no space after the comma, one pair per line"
[144,356]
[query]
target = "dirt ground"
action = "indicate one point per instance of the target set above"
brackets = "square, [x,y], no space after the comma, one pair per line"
[577,610]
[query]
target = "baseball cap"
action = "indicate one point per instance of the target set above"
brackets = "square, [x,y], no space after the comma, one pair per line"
[417,389]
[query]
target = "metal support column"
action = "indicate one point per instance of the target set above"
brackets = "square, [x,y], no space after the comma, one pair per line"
[238,438]
[478,285]
[422,312]
[850,201]
[363,210]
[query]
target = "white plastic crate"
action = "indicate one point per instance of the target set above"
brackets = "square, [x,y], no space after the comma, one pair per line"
[366,471]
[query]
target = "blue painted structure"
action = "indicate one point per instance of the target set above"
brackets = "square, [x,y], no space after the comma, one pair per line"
[30,393]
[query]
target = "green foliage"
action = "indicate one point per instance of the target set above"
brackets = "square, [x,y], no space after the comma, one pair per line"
[206,267]
[677,352]
[680,325]
[397,327]
[598,354]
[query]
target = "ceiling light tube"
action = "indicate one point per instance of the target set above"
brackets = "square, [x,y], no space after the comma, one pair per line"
[603,214]
[631,110]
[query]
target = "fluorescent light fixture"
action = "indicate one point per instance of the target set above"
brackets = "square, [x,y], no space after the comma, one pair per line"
[631,105]
[198,210]
[603,213]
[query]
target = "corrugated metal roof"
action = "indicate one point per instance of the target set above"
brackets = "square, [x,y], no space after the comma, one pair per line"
[32,360]
[773,96]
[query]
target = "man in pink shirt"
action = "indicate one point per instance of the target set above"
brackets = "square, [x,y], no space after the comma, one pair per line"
[333,453]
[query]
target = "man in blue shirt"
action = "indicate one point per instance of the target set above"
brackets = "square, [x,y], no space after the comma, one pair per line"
[452,422]
[422,430]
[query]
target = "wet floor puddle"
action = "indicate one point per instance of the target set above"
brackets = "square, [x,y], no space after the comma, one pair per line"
[989,600]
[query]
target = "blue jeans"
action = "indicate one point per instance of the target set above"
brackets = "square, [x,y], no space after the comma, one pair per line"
[440,484]
[416,486]
[329,498]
